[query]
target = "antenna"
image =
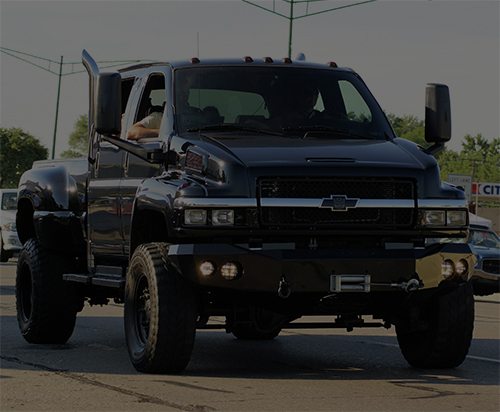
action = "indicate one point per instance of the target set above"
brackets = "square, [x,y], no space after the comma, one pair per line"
[198,43]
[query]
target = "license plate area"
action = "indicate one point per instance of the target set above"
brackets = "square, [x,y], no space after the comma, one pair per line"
[349,283]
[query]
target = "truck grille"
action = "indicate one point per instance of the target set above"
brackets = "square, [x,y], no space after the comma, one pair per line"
[491,266]
[325,188]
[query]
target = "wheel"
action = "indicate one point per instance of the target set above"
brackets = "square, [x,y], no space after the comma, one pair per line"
[5,255]
[439,335]
[264,325]
[160,312]
[248,332]
[46,305]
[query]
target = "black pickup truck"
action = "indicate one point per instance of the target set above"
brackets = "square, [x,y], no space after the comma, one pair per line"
[275,189]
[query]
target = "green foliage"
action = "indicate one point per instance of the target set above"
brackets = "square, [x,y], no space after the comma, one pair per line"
[18,151]
[478,157]
[78,138]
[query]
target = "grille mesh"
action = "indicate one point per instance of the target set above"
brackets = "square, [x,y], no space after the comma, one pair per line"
[491,266]
[322,188]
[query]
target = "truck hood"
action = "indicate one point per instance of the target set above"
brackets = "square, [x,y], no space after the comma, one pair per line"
[269,152]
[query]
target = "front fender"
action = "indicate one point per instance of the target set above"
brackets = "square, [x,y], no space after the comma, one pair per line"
[50,188]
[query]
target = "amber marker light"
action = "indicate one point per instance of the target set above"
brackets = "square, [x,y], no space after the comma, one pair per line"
[332,64]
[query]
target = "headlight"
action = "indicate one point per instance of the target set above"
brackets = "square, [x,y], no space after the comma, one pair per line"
[195,217]
[434,218]
[10,226]
[444,218]
[456,218]
[223,217]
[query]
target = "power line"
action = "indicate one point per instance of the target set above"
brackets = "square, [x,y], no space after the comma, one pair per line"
[21,56]
[291,16]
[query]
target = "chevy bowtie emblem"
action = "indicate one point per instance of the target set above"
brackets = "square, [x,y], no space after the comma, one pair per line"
[339,203]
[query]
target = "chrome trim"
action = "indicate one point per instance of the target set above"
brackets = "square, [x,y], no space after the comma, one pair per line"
[361,203]
[184,202]
[442,203]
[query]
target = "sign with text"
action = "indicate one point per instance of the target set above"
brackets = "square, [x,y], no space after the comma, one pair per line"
[487,190]
[464,181]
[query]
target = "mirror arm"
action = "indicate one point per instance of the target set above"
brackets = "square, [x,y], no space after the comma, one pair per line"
[156,156]
[434,149]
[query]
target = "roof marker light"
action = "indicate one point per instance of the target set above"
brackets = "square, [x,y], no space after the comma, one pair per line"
[194,60]
[286,60]
[268,60]
[332,64]
[247,59]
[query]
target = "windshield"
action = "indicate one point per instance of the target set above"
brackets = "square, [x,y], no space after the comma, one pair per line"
[9,201]
[483,239]
[312,103]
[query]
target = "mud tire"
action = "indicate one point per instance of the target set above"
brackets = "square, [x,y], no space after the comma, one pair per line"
[46,305]
[444,332]
[160,312]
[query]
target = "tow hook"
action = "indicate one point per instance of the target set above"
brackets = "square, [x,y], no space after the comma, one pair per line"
[284,290]
[412,285]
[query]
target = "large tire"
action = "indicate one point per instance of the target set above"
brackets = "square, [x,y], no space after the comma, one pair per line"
[46,305]
[248,332]
[441,336]
[264,325]
[160,312]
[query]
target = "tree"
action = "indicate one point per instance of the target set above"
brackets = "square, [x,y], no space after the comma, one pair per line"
[409,127]
[478,157]
[78,138]
[18,151]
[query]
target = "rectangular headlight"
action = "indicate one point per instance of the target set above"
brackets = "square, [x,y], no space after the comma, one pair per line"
[223,217]
[434,218]
[456,218]
[195,217]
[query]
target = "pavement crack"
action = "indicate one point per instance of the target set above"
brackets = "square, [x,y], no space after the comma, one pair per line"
[434,392]
[189,386]
[141,398]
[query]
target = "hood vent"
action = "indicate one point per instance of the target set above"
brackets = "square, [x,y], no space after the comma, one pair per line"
[330,159]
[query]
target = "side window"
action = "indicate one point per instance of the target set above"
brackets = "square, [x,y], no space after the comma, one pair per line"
[153,97]
[356,107]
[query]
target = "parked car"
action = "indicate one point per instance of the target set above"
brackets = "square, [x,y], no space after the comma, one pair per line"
[486,245]
[9,241]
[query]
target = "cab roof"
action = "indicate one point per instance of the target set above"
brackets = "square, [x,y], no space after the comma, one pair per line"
[244,61]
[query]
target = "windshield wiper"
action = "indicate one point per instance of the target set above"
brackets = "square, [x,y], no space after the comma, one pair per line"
[326,129]
[231,128]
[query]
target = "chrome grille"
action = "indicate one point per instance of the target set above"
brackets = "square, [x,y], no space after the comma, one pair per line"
[491,266]
[325,188]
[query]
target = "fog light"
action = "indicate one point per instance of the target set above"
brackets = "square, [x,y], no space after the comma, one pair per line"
[195,217]
[231,271]
[447,269]
[207,268]
[434,218]
[462,267]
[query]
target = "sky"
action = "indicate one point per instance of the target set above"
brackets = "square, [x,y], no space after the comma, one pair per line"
[396,46]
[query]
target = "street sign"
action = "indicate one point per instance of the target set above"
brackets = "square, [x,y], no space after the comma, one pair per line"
[464,181]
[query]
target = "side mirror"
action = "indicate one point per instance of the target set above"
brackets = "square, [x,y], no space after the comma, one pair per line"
[437,113]
[107,103]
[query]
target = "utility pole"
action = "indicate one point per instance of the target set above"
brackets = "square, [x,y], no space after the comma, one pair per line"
[57,108]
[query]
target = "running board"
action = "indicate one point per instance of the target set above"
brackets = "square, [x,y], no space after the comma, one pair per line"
[106,276]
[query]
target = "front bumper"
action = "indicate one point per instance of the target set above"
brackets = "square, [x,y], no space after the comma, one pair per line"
[11,241]
[313,270]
